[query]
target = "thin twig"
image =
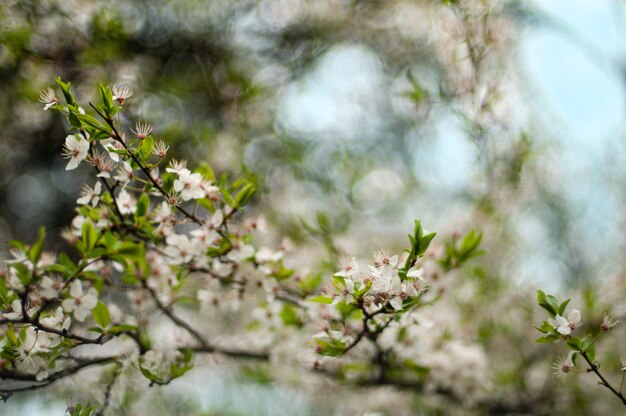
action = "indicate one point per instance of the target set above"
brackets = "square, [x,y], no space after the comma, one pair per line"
[593,367]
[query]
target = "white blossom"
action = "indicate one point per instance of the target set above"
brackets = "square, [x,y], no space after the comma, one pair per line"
[50,288]
[121,94]
[415,273]
[89,195]
[160,149]
[159,361]
[110,145]
[125,173]
[221,269]
[126,203]
[75,149]
[142,130]
[566,326]
[459,367]
[48,98]
[176,166]
[564,364]
[240,252]
[80,303]
[349,267]
[14,312]
[189,185]
[180,249]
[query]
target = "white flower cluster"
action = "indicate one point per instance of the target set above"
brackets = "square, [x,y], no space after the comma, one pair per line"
[158,361]
[380,285]
[565,326]
[459,367]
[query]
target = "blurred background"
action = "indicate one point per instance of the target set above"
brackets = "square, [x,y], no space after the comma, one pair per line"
[355,117]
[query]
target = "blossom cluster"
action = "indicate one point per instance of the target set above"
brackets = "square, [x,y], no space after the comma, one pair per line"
[154,239]
[559,328]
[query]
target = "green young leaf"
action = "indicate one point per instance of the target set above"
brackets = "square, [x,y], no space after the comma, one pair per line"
[143,204]
[206,171]
[562,307]
[65,88]
[106,95]
[311,283]
[363,290]
[470,242]
[116,329]
[89,238]
[244,195]
[90,122]
[548,305]
[148,374]
[321,299]
[417,230]
[575,343]
[545,327]
[66,262]
[131,250]
[588,344]
[283,273]
[591,352]
[548,339]
[23,274]
[425,242]
[416,368]
[35,250]
[96,329]
[332,348]
[289,315]
[145,149]
[101,315]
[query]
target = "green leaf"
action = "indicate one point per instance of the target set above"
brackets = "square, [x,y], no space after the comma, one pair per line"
[417,230]
[206,171]
[65,261]
[131,250]
[65,88]
[575,343]
[23,274]
[416,368]
[311,283]
[591,351]
[35,250]
[116,329]
[545,327]
[332,348]
[129,279]
[89,237]
[145,150]
[101,315]
[143,204]
[470,241]
[321,299]
[17,245]
[363,289]
[425,242]
[289,315]
[96,329]
[548,304]
[548,339]
[227,198]
[148,374]
[587,342]
[244,195]
[562,307]
[106,95]
[89,121]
